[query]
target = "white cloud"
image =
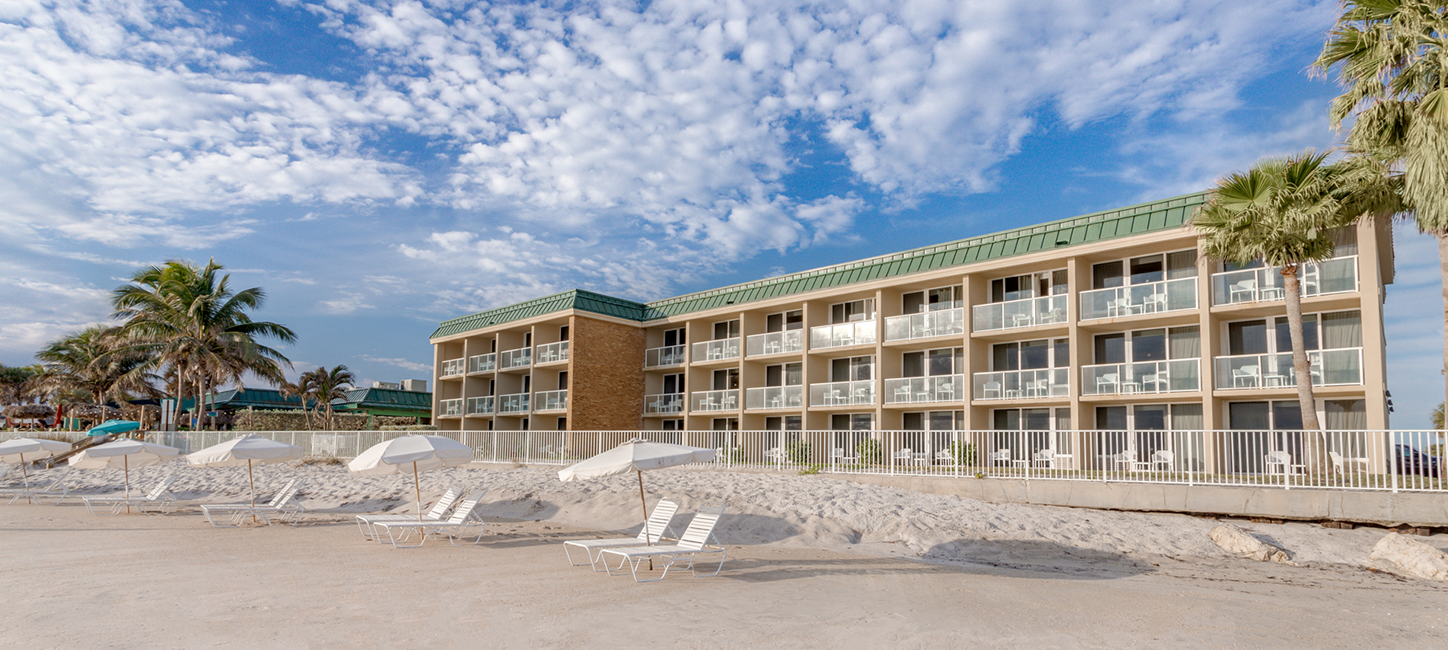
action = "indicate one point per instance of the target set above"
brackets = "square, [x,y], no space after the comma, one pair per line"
[40,311]
[348,302]
[401,363]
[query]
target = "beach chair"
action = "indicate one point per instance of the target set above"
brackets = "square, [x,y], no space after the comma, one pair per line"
[55,489]
[695,542]
[235,513]
[438,513]
[455,527]
[159,497]
[649,535]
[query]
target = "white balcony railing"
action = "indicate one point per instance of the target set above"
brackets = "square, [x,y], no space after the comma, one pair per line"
[774,397]
[480,405]
[550,400]
[519,358]
[716,400]
[669,355]
[1142,377]
[664,403]
[551,352]
[515,403]
[716,350]
[1338,275]
[1023,384]
[842,393]
[1148,298]
[454,367]
[450,407]
[921,390]
[1026,312]
[483,363]
[775,343]
[1340,367]
[842,335]
[924,325]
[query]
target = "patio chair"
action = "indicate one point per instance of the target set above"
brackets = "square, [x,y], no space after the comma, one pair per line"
[1000,457]
[1111,379]
[159,497]
[837,456]
[693,543]
[1280,462]
[237,512]
[1246,290]
[902,394]
[774,455]
[1044,459]
[1340,464]
[1250,374]
[456,526]
[944,456]
[55,489]
[991,387]
[1125,460]
[439,510]
[653,530]
[902,456]
[1161,461]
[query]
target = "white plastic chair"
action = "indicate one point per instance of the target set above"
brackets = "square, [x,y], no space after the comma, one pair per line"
[1044,458]
[693,543]
[649,535]
[1000,457]
[1280,462]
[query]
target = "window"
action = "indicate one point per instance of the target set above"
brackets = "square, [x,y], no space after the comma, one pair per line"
[1148,345]
[724,424]
[673,384]
[563,380]
[934,421]
[1328,331]
[563,333]
[1030,355]
[932,300]
[524,425]
[726,379]
[783,423]
[852,369]
[1136,433]
[527,339]
[1044,429]
[785,374]
[674,337]
[672,425]
[493,346]
[1033,285]
[933,363]
[527,383]
[562,424]
[492,384]
[1144,269]
[852,422]
[789,320]
[728,329]
[855,310]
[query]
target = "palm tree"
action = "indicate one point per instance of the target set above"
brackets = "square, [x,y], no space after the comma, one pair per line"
[301,388]
[328,385]
[1393,68]
[85,364]
[14,383]
[1282,211]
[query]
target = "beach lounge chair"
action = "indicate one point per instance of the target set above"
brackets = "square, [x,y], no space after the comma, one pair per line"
[695,542]
[55,489]
[159,498]
[455,527]
[649,535]
[438,513]
[235,513]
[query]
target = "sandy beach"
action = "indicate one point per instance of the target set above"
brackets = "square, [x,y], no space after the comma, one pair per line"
[814,562]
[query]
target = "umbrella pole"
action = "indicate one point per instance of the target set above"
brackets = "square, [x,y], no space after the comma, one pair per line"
[418,488]
[24,476]
[645,504]
[127,460]
[251,484]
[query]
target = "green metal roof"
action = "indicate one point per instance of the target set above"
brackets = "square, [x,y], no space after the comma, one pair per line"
[382,398]
[262,398]
[1075,231]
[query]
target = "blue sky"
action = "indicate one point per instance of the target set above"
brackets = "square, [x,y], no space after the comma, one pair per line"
[380,166]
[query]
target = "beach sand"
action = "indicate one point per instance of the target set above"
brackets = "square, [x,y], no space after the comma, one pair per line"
[815,562]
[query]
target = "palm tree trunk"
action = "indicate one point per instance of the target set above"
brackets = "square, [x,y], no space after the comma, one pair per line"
[1314,439]
[1443,274]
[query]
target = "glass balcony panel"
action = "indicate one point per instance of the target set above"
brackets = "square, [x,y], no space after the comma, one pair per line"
[1142,377]
[450,407]
[670,355]
[480,405]
[842,393]
[775,343]
[716,400]
[716,350]
[1338,275]
[515,403]
[522,357]
[482,363]
[1149,298]
[842,335]
[664,403]
[551,352]
[1022,384]
[453,367]
[919,390]
[551,400]
[1340,367]
[1026,312]
[774,397]
[945,322]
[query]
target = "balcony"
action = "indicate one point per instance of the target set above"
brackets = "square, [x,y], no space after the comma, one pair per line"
[716,350]
[716,400]
[1147,377]
[454,367]
[775,343]
[1338,275]
[774,397]
[944,322]
[1026,312]
[515,403]
[1340,367]
[551,353]
[841,335]
[925,390]
[669,355]
[1023,384]
[480,405]
[449,407]
[519,358]
[1148,298]
[550,401]
[483,363]
[664,403]
[843,393]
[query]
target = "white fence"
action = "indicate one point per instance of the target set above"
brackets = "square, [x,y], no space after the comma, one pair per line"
[1346,460]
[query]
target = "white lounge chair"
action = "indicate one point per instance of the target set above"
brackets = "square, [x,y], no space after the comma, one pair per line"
[1342,465]
[55,489]
[159,497]
[236,513]
[695,542]
[653,530]
[455,527]
[438,513]
[1280,462]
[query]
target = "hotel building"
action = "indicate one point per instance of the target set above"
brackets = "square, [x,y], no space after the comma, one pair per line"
[1111,320]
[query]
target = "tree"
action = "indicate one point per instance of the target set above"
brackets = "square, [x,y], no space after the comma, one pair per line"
[328,385]
[85,365]
[1282,211]
[1392,65]
[14,383]
[302,389]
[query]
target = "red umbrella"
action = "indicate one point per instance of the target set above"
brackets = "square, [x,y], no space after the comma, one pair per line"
[59,415]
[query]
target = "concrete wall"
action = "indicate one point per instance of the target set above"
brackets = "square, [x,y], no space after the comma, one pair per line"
[606,376]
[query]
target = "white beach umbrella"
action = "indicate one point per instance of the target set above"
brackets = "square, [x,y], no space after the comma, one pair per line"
[15,450]
[416,453]
[245,450]
[123,454]
[637,455]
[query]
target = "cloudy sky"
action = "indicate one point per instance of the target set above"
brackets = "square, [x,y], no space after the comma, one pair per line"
[380,166]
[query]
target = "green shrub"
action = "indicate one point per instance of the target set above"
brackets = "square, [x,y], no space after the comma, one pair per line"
[962,452]
[809,470]
[869,451]
[797,451]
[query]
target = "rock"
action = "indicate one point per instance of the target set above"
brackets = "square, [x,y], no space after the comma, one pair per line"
[1242,543]
[1412,557]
